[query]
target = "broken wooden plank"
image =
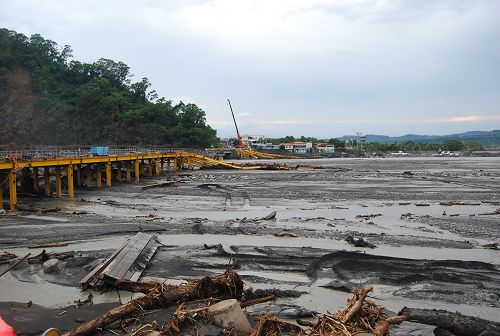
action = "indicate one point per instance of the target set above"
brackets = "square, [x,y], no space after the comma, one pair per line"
[126,263]
[160,184]
[124,260]
[90,279]
[59,244]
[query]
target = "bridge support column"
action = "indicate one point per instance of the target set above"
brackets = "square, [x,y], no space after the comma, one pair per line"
[79,175]
[189,163]
[99,176]
[175,166]
[168,167]
[119,171]
[71,186]
[143,168]
[36,185]
[46,177]
[108,174]
[1,192]
[157,167]
[137,171]
[88,170]
[129,173]
[150,167]
[58,182]
[162,166]
[12,189]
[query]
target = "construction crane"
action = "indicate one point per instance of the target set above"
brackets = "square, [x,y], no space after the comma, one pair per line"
[240,142]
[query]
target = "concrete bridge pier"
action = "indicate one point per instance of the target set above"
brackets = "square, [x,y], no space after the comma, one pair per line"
[99,176]
[46,178]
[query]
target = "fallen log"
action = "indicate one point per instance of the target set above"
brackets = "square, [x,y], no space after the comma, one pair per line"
[359,303]
[140,287]
[224,286]
[456,323]
[61,244]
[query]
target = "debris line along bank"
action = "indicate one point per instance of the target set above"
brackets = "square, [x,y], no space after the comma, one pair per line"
[69,173]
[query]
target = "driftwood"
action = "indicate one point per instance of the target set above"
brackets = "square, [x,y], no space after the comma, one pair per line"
[15,264]
[224,286]
[358,320]
[359,242]
[61,244]
[268,325]
[358,304]
[456,323]
[450,203]
[160,184]
[32,208]
[383,326]
[141,287]
[6,257]
[285,234]
[44,256]
[257,301]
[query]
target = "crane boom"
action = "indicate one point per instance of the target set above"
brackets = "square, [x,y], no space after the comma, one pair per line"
[240,142]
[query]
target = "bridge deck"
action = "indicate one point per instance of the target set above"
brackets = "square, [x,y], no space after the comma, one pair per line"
[92,168]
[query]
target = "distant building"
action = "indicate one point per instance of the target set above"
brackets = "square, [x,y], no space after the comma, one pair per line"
[250,140]
[297,147]
[324,147]
[265,146]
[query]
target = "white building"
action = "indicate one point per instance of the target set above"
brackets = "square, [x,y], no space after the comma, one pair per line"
[249,140]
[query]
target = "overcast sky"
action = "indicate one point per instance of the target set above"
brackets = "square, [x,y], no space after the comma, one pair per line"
[321,68]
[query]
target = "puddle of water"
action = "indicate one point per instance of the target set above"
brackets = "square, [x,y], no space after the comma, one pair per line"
[42,293]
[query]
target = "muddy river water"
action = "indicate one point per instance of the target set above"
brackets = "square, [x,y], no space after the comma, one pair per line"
[428,253]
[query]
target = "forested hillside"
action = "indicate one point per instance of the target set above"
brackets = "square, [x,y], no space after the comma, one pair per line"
[46,98]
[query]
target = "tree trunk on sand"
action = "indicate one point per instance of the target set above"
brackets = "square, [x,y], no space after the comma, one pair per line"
[456,323]
[223,286]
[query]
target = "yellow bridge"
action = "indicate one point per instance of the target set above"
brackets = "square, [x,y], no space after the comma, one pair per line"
[79,171]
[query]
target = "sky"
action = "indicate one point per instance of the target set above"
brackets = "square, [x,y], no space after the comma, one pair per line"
[322,68]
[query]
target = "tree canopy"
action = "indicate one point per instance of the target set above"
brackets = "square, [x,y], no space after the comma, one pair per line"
[48,98]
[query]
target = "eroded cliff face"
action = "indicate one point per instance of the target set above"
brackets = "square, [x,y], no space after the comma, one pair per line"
[17,108]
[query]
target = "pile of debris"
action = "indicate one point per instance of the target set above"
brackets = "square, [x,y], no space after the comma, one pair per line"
[217,301]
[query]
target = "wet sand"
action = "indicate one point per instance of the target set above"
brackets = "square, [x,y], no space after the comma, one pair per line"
[427,254]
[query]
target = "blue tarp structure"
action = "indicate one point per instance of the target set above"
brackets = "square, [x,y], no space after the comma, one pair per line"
[96,150]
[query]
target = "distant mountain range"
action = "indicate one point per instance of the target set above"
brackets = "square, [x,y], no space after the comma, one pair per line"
[485,138]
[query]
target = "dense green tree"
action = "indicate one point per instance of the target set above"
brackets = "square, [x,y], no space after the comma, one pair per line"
[47,98]
[453,145]
[337,143]
[472,146]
